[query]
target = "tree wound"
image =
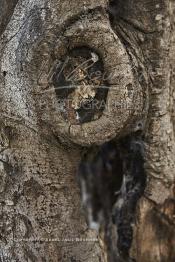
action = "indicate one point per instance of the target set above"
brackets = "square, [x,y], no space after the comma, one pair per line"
[112,180]
[80,85]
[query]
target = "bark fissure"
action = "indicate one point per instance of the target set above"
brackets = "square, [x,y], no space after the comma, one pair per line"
[39,195]
[112,180]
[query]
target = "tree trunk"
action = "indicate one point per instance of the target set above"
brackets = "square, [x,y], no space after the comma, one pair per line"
[64,165]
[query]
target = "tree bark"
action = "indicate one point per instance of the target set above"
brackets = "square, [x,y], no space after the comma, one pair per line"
[42,146]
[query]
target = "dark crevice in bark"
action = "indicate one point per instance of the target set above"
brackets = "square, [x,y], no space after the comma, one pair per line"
[80,86]
[112,179]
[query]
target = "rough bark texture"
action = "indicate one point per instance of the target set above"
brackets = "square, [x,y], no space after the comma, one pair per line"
[40,150]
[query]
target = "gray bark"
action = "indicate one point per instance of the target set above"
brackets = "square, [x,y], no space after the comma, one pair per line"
[40,150]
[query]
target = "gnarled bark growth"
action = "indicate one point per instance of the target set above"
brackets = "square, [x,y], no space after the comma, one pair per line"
[45,45]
